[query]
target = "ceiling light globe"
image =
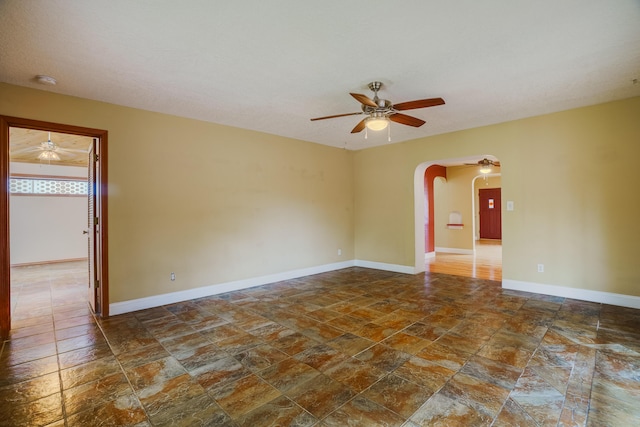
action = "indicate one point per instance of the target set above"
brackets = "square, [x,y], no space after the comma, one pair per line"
[377,123]
[48,155]
[485,169]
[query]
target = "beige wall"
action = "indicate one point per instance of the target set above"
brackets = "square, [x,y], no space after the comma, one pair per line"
[459,192]
[443,204]
[216,204]
[211,203]
[572,175]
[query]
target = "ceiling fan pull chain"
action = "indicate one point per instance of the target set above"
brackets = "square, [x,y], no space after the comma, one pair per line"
[389,133]
[365,133]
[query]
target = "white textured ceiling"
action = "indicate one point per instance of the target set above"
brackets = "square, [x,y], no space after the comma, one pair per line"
[272,65]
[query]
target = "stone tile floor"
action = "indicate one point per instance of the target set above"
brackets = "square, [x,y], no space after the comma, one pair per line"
[354,347]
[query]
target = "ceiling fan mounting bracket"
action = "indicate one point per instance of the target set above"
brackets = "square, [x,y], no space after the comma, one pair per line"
[375,86]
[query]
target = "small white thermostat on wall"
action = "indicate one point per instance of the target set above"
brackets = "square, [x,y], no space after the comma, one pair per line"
[509,205]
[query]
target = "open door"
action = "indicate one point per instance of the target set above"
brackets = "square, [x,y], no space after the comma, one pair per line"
[92,229]
[97,233]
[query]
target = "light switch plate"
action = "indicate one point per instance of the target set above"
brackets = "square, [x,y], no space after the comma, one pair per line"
[509,205]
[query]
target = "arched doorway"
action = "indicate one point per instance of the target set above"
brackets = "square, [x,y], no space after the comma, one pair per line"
[458,252]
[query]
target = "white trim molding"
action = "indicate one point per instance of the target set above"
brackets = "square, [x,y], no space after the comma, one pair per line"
[396,268]
[429,255]
[454,250]
[205,291]
[622,300]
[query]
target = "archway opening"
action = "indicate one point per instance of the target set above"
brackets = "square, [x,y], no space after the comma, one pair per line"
[454,246]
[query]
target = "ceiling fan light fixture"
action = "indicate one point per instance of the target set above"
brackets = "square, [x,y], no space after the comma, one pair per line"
[377,123]
[46,80]
[485,169]
[48,155]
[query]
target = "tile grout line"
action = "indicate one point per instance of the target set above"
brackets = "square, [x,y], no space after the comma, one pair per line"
[573,371]
[55,337]
[124,373]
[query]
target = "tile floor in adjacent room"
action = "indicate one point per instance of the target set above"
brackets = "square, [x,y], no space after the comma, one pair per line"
[353,347]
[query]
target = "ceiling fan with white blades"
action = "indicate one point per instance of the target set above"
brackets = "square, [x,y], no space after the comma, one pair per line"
[48,150]
[380,111]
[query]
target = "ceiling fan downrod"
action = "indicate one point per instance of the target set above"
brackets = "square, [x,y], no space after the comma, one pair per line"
[375,87]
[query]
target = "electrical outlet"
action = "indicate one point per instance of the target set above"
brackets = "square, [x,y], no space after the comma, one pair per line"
[339,251]
[540,268]
[173,276]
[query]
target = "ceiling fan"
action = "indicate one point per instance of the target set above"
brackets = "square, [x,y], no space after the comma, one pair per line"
[48,149]
[380,111]
[485,165]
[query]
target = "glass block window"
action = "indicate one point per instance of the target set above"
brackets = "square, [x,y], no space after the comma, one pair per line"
[58,187]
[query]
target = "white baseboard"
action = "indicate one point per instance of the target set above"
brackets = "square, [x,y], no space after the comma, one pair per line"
[173,297]
[116,308]
[429,255]
[396,268]
[454,251]
[574,293]
[56,261]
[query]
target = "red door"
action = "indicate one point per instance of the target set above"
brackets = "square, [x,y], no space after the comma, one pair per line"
[490,213]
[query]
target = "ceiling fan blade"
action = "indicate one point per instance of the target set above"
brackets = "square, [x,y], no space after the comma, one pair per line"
[24,150]
[358,127]
[420,103]
[406,120]
[336,115]
[71,150]
[364,99]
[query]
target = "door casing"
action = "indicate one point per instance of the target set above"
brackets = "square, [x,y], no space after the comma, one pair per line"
[101,189]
